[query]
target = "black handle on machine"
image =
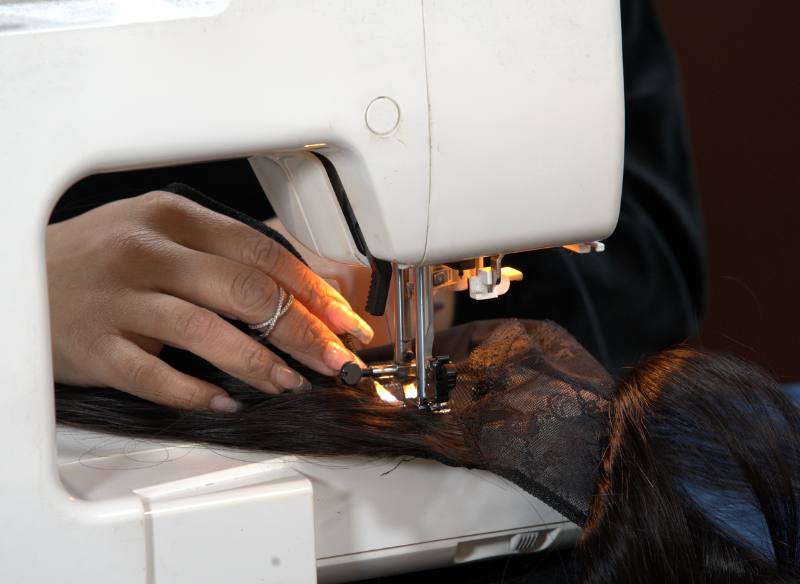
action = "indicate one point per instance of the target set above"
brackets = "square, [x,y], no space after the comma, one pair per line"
[381,269]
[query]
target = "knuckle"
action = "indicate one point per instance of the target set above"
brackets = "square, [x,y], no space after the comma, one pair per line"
[257,361]
[160,209]
[308,333]
[195,325]
[141,374]
[159,395]
[156,202]
[93,346]
[191,398]
[262,252]
[250,289]
[132,243]
[81,341]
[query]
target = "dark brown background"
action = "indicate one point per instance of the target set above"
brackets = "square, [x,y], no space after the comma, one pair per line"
[741,69]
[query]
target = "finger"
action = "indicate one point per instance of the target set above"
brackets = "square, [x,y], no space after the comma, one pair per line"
[181,324]
[249,295]
[217,283]
[133,370]
[319,297]
[204,230]
[300,334]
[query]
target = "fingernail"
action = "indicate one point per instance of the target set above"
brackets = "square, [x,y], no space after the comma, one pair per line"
[334,284]
[224,403]
[289,379]
[335,356]
[346,320]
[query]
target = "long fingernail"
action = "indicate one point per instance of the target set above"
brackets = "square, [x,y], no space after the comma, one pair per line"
[335,356]
[334,284]
[289,379]
[346,320]
[224,403]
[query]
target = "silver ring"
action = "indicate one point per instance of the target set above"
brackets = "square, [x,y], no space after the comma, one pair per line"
[265,328]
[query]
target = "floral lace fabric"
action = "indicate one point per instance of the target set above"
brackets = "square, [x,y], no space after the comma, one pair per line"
[533,404]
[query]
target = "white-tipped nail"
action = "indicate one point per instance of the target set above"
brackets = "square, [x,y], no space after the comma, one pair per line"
[334,284]
[289,379]
[335,356]
[348,321]
[224,403]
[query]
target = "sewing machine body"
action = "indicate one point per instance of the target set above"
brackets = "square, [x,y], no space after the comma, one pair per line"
[507,135]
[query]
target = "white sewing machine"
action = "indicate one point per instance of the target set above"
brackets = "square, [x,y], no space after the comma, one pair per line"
[446,130]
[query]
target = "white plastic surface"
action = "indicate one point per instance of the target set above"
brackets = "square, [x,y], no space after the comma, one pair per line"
[301,194]
[526,124]
[41,15]
[207,530]
[518,146]
[370,517]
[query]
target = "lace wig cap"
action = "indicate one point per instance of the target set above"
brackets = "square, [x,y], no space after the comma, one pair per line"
[532,404]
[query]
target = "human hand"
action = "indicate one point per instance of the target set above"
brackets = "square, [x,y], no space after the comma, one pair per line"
[353,282]
[133,275]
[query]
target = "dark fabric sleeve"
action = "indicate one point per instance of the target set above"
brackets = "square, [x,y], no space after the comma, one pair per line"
[646,291]
[201,199]
[232,181]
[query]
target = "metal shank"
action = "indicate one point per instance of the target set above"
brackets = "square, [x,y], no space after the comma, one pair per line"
[403,312]
[424,340]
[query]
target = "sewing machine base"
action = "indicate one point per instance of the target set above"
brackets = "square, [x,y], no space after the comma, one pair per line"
[328,519]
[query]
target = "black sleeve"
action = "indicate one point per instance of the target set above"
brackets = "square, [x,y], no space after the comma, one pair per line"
[646,291]
[232,181]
